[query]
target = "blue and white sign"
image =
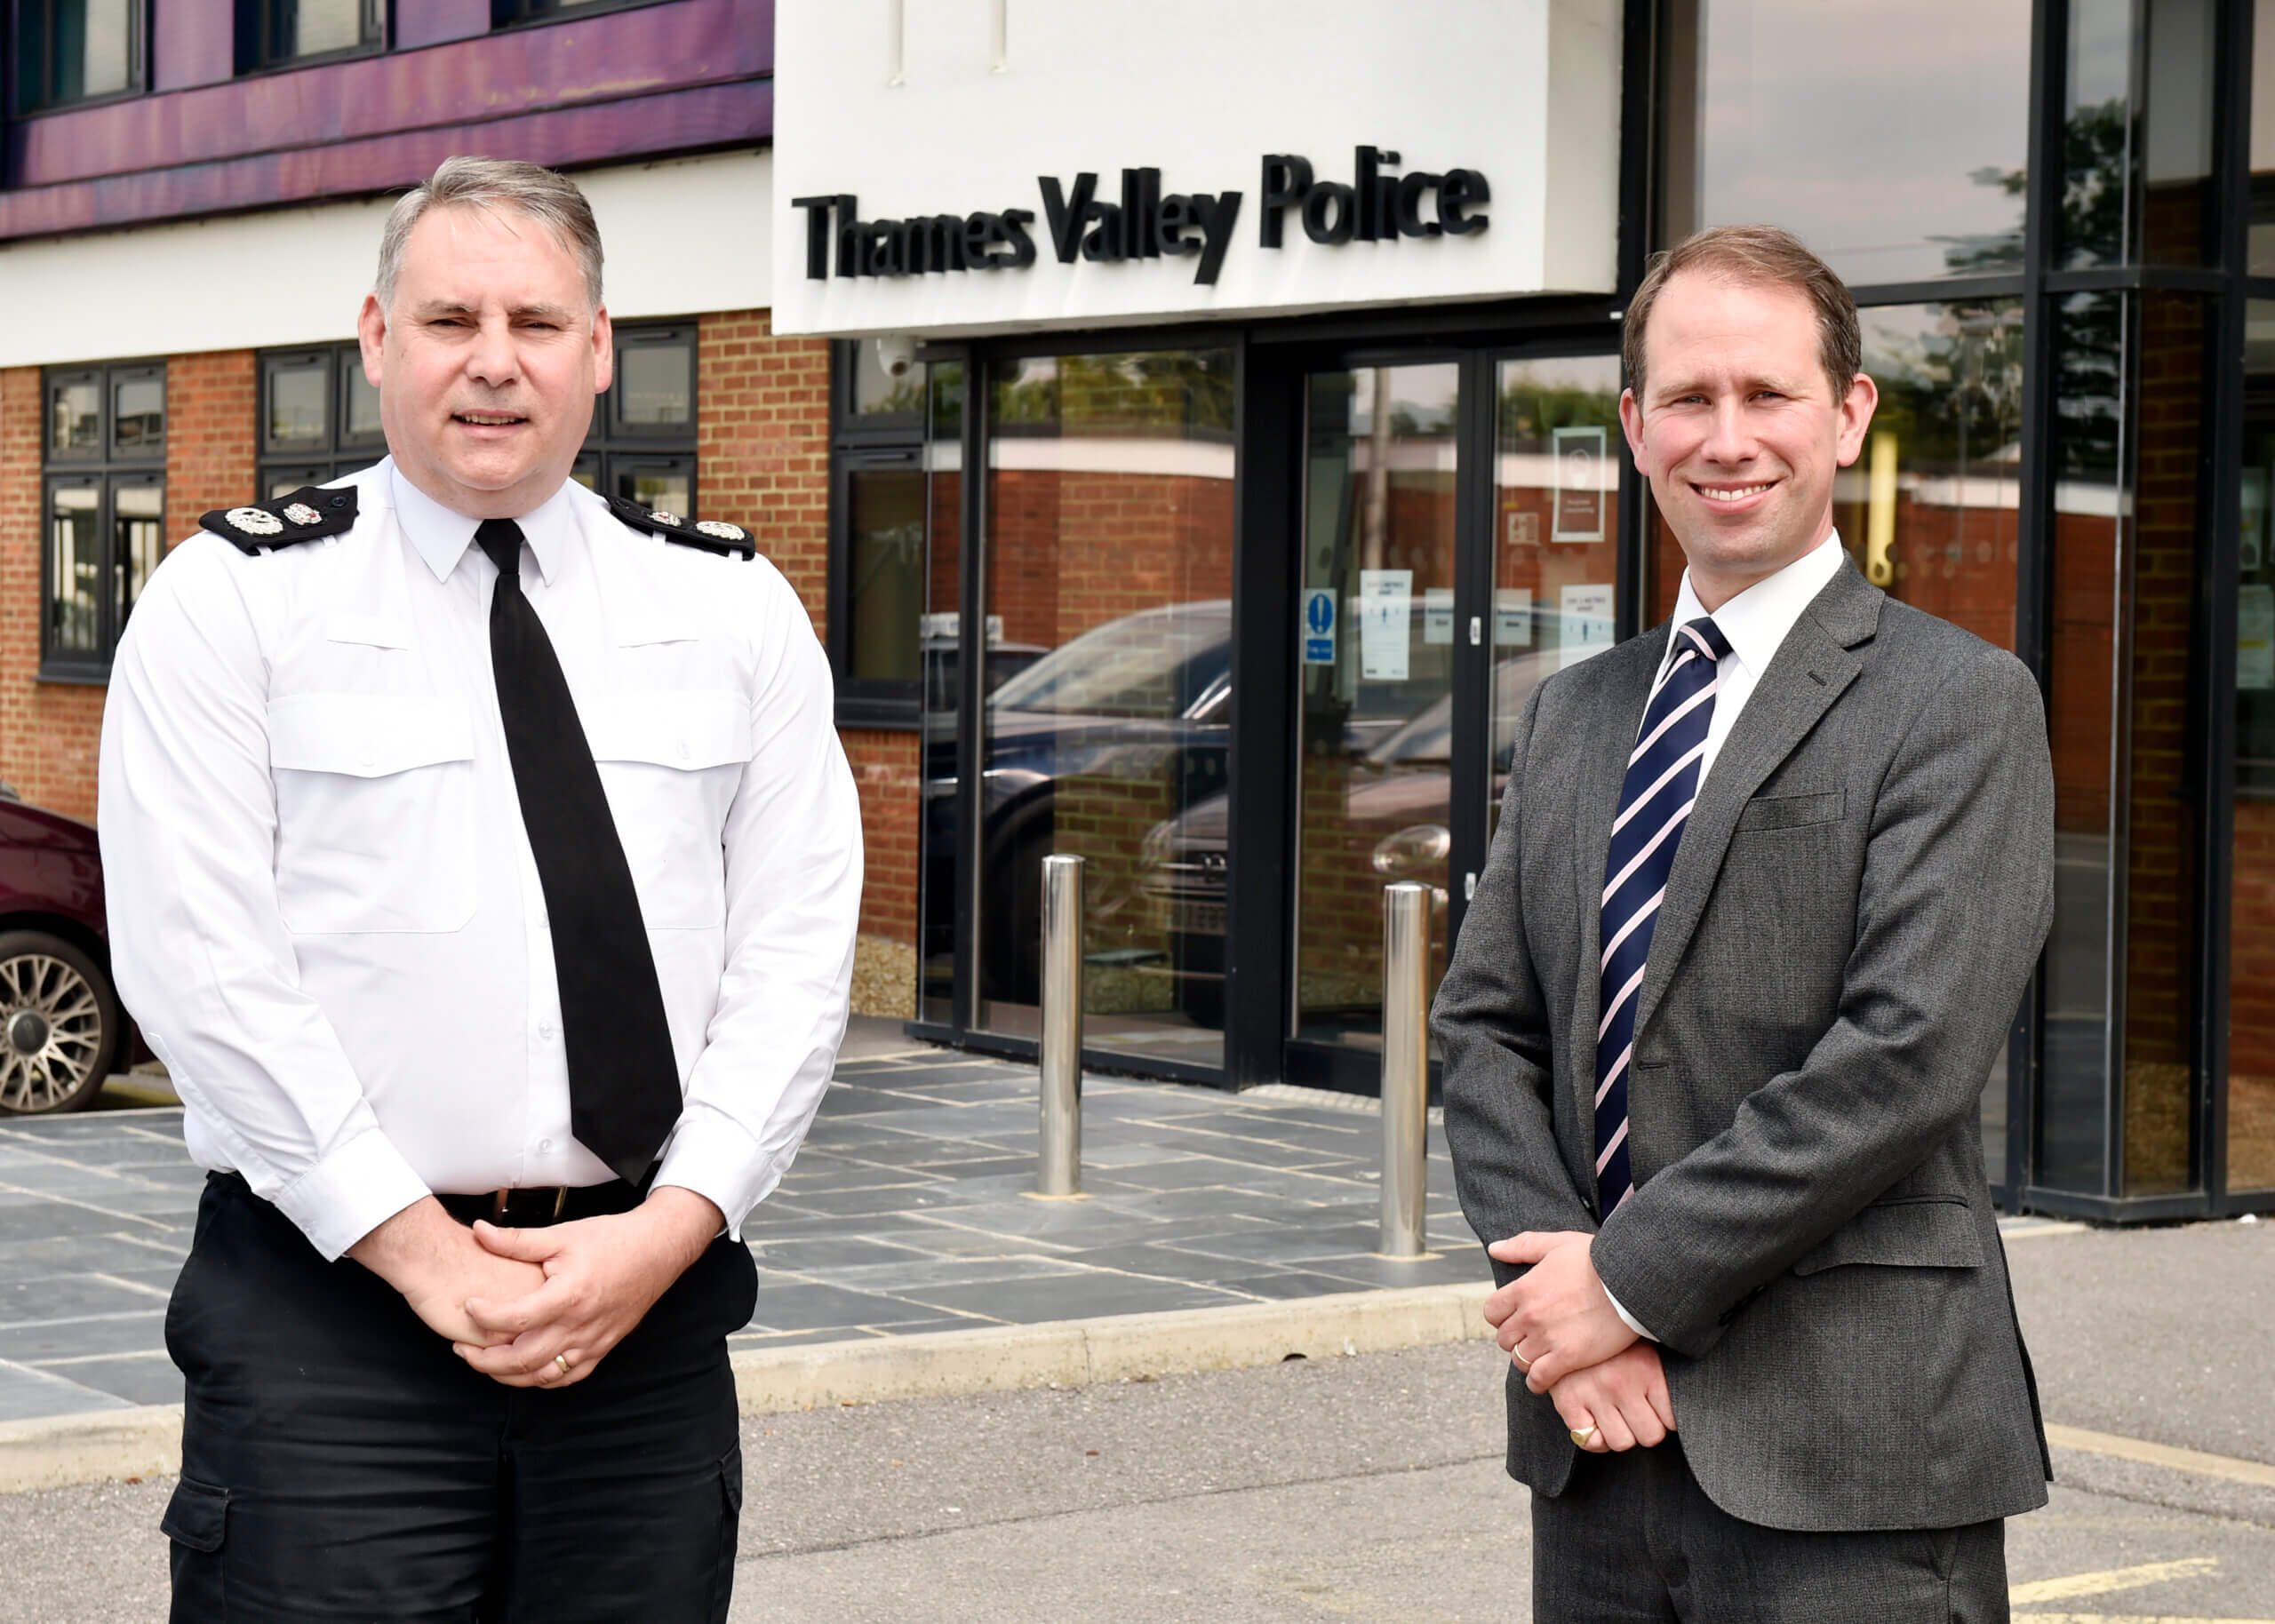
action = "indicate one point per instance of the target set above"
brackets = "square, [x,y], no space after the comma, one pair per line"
[1318,627]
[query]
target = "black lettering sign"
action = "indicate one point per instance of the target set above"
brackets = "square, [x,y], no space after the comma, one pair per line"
[1142,222]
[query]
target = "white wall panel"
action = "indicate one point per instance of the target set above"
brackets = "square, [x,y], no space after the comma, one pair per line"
[680,238]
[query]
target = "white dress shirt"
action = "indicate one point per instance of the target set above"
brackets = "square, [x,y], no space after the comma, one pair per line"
[324,909]
[1755,623]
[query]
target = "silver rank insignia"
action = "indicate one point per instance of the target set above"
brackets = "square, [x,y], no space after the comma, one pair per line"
[254,520]
[301,512]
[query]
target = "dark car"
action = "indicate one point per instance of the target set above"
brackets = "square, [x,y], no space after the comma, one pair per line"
[60,1015]
[1144,696]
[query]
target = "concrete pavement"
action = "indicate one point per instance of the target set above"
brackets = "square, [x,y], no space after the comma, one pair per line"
[1367,1487]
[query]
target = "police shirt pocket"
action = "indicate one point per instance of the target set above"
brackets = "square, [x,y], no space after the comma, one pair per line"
[1792,811]
[671,761]
[374,812]
[1917,1232]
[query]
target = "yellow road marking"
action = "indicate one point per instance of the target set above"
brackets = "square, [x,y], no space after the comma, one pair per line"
[2255,1472]
[2127,1617]
[2109,1580]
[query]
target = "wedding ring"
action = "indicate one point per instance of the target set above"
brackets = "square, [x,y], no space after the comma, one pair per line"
[1523,1362]
[561,1359]
[1581,1434]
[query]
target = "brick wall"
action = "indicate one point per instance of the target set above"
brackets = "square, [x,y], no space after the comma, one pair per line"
[762,462]
[762,446]
[210,407]
[49,732]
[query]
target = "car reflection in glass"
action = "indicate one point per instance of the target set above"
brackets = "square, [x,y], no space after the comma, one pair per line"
[1397,803]
[1141,700]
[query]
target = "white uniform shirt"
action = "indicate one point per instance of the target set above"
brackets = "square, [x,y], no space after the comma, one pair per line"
[1756,623]
[324,911]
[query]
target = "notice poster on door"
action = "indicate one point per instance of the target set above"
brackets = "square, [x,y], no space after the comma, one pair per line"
[1584,624]
[2256,637]
[1580,480]
[1385,623]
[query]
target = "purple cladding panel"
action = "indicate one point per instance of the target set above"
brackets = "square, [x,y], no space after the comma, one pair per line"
[670,121]
[192,42]
[653,79]
[431,22]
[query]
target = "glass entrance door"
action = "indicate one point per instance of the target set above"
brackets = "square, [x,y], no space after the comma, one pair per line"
[1376,678]
[1460,534]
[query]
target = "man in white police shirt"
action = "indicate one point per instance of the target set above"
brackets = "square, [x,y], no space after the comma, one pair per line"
[484,865]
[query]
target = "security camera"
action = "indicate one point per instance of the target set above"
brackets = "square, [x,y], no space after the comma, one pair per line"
[896,353]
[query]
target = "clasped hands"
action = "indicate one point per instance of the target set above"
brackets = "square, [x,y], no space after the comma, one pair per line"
[1558,1325]
[539,1308]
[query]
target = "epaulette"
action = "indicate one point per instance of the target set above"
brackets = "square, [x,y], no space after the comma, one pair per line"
[309,512]
[711,535]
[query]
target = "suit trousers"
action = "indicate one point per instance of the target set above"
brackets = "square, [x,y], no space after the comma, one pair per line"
[339,1462]
[1633,1539]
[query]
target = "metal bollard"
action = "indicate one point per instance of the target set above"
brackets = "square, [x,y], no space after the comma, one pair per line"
[1406,1066]
[1058,1171]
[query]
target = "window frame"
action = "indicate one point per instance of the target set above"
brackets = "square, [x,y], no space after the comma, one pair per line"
[138,64]
[105,473]
[253,23]
[883,441]
[506,14]
[612,451]
[340,454]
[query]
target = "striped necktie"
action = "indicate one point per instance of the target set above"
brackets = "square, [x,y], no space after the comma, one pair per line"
[1655,802]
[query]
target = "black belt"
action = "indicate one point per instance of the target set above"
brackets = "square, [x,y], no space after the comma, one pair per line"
[537,1205]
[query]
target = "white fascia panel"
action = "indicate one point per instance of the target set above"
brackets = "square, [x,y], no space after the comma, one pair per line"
[683,236]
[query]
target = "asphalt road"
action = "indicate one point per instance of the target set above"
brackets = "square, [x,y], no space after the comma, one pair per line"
[1366,1488]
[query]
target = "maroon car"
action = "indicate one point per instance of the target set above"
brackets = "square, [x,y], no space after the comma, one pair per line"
[61,1029]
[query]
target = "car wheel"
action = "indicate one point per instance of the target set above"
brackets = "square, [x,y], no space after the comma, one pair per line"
[59,1025]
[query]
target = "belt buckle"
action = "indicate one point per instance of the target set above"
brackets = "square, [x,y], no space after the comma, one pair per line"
[501,1199]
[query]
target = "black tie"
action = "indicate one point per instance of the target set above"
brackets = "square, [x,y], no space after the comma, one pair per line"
[623,1080]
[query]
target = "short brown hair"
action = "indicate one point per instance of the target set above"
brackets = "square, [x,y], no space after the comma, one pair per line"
[1753,256]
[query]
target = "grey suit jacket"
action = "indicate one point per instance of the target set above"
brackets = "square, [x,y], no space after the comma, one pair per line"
[1851,918]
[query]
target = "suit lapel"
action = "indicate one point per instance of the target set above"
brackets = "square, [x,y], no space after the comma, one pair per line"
[1610,733]
[1811,669]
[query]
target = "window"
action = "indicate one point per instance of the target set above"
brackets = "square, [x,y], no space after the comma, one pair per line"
[505,13]
[319,418]
[70,50]
[104,496]
[641,443]
[274,33]
[887,493]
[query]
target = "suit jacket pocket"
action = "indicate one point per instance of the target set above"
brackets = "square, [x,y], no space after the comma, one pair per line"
[1792,811]
[1935,1233]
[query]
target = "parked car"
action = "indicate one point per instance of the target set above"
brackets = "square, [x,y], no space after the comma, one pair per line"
[61,1029]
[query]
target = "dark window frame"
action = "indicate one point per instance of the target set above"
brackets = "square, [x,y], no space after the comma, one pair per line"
[254,56]
[340,454]
[859,443]
[506,14]
[613,450]
[138,65]
[106,474]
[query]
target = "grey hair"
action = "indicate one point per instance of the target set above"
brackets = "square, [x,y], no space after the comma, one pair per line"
[549,198]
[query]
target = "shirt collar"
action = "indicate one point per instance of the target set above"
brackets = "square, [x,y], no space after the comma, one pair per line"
[1757,620]
[441,537]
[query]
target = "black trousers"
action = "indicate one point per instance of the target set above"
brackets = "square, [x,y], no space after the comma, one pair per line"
[339,1462]
[1633,1539]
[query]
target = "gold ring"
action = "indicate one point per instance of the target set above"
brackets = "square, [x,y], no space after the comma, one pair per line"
[1581,1434]
[561,1359]
[1522,1363]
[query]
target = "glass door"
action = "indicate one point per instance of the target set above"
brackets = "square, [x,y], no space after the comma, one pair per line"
[1375,677]
[1460,529]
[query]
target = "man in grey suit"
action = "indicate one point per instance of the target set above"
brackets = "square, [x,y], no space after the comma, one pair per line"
[1767,888]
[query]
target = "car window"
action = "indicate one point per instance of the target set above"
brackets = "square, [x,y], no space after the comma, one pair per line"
[1153,663]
